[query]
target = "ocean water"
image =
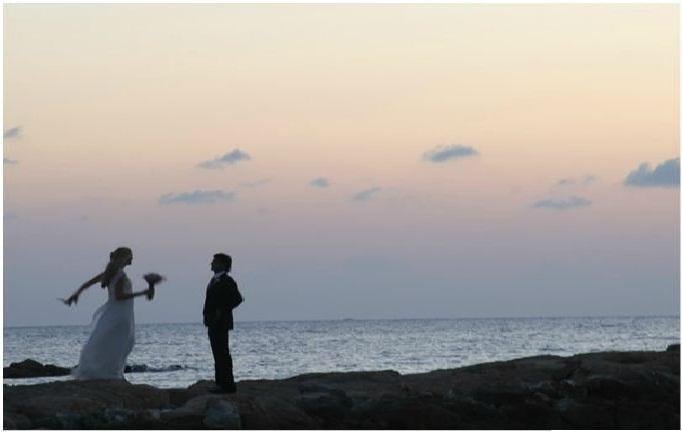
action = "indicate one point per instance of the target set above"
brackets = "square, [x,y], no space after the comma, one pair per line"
[275,350]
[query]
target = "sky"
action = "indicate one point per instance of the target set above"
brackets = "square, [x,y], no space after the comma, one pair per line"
[357,161]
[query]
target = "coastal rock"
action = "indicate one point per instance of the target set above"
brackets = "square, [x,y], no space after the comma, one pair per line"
[276,412]
[64,404]
[33,369]
[330,405]
[398,412]
[586,415]
[607,390]
[221,414]
[16,421]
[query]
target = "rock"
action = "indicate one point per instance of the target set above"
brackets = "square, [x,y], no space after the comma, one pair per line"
[586,415]
[393,412]
[530,415]
[274,412]
[608,387]
[474,415]
[181,419]
[62,400]
[33,369]
[136,368]
[607,390]
[222,415]
[188,416]
[178,396]
[647,415]
[202,412]
[14,421]
[330,405]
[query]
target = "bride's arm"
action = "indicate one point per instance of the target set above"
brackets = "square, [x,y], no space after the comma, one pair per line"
[121,295]
[73,299]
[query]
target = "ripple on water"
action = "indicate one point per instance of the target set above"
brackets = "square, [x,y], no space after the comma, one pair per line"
[269,350]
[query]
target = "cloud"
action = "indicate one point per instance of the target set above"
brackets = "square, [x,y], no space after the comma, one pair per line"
[197,197]
[366,195]
[320,182]
[11,133]
[230,158]
[449,152]
[7,161]
[256,183]
[587,179]
[667,174]
[563,203]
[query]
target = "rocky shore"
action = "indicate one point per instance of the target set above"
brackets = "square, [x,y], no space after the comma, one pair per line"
[33,369]
[606,390]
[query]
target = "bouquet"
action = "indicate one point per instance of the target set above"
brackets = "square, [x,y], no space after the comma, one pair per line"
[152,279]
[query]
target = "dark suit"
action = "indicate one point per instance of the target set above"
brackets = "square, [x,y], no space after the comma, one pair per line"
[222,296]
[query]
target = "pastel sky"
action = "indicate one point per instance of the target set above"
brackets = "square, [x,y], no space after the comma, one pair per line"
[385,161]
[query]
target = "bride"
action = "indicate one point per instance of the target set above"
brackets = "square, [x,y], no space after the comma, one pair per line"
[113,336]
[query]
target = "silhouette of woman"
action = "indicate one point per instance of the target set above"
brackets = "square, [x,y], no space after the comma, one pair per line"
[112,339]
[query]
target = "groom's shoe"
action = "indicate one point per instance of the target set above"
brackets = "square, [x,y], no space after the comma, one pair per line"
[224,389]
[229,388]
[216,390]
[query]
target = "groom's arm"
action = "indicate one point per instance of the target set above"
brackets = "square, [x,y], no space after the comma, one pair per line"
[234,297]
[227,298]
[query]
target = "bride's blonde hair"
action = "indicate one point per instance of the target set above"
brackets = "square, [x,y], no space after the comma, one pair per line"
[114,264]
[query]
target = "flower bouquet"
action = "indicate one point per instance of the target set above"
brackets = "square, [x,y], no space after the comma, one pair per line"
[152,279]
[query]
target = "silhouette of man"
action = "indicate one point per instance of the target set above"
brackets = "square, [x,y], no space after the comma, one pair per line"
[222,296]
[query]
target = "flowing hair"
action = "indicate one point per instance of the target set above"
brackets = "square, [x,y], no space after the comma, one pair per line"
[114,264]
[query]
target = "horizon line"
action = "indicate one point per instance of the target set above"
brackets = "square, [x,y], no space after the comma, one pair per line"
[345,319]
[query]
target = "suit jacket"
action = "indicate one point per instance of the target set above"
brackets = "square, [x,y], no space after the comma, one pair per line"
[222,296]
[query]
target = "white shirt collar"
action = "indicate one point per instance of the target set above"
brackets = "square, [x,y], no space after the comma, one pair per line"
[219,274]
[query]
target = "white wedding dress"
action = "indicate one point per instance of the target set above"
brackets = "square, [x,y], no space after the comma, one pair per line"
[112,338]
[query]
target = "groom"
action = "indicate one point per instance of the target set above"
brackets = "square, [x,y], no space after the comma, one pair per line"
[222,296]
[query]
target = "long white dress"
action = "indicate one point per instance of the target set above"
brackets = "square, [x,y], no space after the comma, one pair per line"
[112,338]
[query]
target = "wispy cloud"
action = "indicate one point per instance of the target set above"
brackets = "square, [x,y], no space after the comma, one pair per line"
[563,203]
[366,195]
[256,183]
[667,174]
[586,180]
[7,161]
[231,158]
[11,133]
[320,182]
[448,152]
[197,197]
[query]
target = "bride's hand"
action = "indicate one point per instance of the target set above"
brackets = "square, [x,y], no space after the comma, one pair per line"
[73,299]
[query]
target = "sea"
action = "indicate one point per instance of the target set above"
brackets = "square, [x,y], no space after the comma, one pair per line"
[178,355]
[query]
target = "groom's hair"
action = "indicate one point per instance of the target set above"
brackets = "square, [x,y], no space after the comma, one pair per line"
[225,259]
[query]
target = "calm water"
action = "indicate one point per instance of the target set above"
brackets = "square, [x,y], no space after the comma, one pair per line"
[282,349]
